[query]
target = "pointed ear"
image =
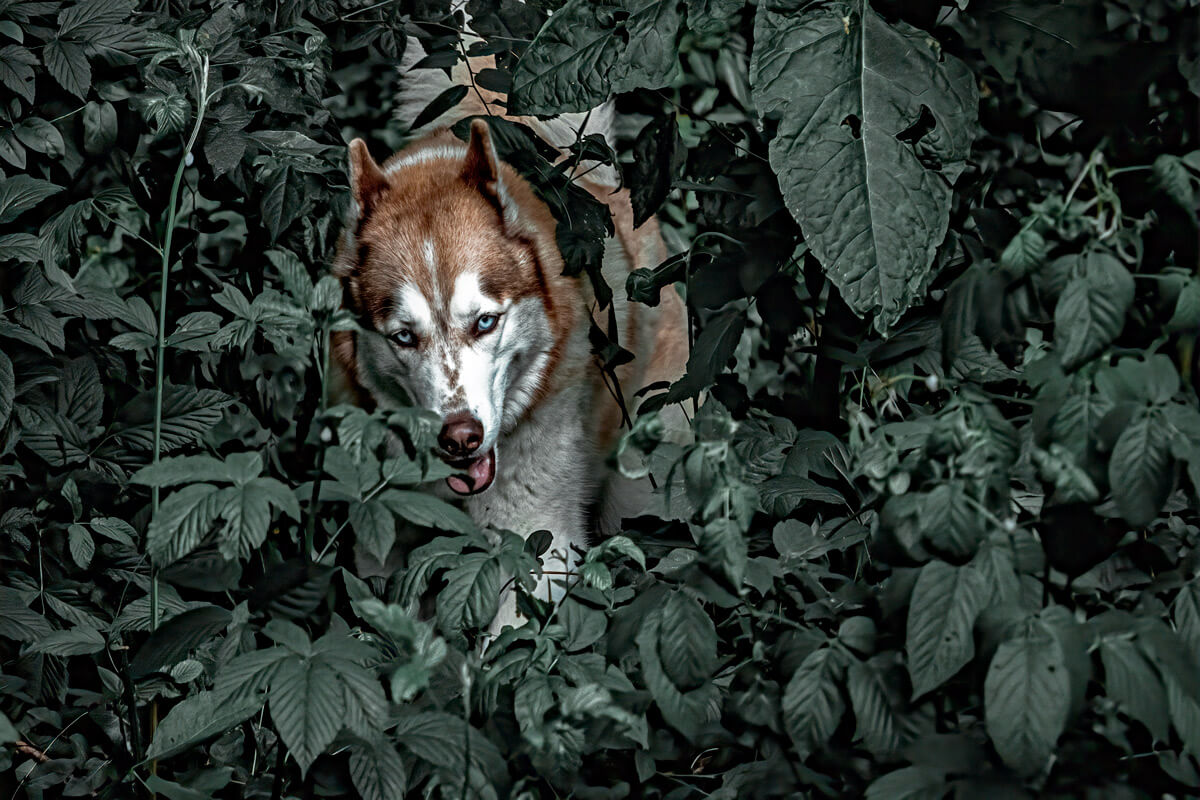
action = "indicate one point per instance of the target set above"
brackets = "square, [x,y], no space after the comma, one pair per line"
[367,180]
[482,165]
[481,170]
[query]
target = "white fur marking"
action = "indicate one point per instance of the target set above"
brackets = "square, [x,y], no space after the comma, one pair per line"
[412,309]
[425,155]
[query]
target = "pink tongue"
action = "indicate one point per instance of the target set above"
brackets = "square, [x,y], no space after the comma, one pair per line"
[481,471]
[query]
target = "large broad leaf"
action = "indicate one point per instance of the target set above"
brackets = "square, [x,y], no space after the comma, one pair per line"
[1140,469]
[307,706]
[198,718]
[1091,311]
[875,123]
[187,414]
[1133,683]
[945,603]
[1026,698]
[687,643]
[686,711]
[812,701]
[173,640]
[876,721]
[472,593]
[21,193]
[377,770]
[588,51]
[182,522]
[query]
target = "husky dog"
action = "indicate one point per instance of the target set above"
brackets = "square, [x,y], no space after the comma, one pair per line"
[451,259]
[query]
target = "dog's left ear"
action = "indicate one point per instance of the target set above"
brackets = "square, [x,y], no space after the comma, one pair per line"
[481,170]
[367,181]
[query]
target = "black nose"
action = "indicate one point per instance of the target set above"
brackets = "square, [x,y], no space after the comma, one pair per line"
[461,435]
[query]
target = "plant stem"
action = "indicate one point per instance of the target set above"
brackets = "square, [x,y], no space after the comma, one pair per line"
[161,345]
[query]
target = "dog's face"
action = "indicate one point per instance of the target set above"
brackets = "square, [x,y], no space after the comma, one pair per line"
[452,298]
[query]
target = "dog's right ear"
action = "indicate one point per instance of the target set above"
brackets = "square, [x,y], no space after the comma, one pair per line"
[367,181]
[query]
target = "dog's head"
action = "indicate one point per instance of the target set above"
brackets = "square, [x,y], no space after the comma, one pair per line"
[449,261]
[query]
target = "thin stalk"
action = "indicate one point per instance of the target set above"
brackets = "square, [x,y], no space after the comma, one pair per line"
[310,528]
[161,345]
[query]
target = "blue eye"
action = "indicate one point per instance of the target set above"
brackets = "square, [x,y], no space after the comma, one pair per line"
[405,338]
[486,323]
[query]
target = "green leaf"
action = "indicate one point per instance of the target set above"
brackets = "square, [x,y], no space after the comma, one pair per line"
[909,783]
[182,522]
[21,193]
[187,415]
[39,135]
[198,718]
[307,707]
[876,722]
[183,469]
[945,602]
[1177,181]
[8,389]
[812,703]
[75,642]
[8,733]
[588,51]
[1091,311]
[18,621]
[377,770]
[687,642]
[16,70]
[68,63]
[472,593]
[427,510]
[81,545]
[1186,316]
[1134,685]
[1140,468]
[177,637]
[99,127]
[686,711]
[846,87]
[1026,698]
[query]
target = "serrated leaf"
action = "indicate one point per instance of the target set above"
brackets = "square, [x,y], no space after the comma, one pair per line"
[846,87]
[74,642]
[1091,311]
[876,723]
[20,193]
[68,63]
[377,770]
[188,413]
[472,593]
[1140,468]
[307,707]
[1026,698]
[687,712]
[945,602]
[183,520]
[81,545]
[589,51]
[424,509]
[687,643]
[812,704]
[8,388]
[16,70]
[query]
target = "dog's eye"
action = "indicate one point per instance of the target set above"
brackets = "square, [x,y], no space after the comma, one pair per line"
[486,323]
[405,338]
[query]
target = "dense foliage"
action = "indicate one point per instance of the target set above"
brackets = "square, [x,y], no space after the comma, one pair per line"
[942,517]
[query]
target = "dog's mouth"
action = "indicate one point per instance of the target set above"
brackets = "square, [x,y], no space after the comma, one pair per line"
[477,473]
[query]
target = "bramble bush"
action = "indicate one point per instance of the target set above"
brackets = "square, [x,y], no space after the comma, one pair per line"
[941,268]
